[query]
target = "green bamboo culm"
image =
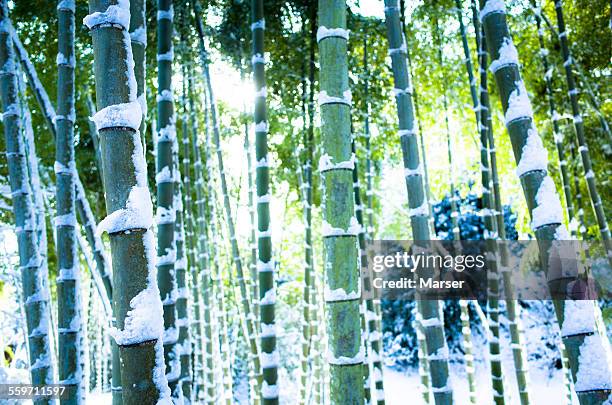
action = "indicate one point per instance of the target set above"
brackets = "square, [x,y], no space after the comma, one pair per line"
[165,179]
[545,208]
[218,284]
[371,312]
[521,368]
[453,198]
[309,321]
[251,333]
[265,262]
[512,308]
[68,278]
[204,278]
[557,134]
[463,304]
[430,310]
[372,335]
[490,233]
[583,148]
[417,117]
[190,131]
[367,286]
[340,227]
[128,203]
[35,291]
[183,346]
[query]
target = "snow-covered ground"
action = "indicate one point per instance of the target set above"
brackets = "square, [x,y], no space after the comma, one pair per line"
[399,386]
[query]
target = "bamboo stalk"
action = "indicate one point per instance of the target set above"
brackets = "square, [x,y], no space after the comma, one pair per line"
[430,310]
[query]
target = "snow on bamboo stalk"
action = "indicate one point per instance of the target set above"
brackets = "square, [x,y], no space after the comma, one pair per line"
[490,233]
[309,321]
[371,314]
[249,151]
[68,277]
[35,291]
[219,284]
[463,304]
[580,135]
[95,241]
[197,257]
[587,346]
[246,305]
[37,190]
[136,302]
[138,37]
[373,346]
[340,226]
[203,258]
[512,309]
[190,240]
[557,134]
[437,351]
[265,262]
[166,211]
[183,346]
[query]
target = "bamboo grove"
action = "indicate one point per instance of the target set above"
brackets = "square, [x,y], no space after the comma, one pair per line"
[187,220]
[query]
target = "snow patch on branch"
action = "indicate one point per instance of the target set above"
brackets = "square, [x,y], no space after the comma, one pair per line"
[422,210]
[353,229]
[137,214]
[268,330]
[508,55]
[533,156]
[492,7]
[258,58]
[261,126]
[269,360]
[269,297]
[519,105]
[165,95]
[340,294]
[60,168]
[119,115]
[325,163]
[549,210]
[578,318]
[167,56]
[61,59]
[346,98]
[139,35]
[324,32]
[66,5]
[261,24]
[413,172]
[165,14]
[65,220]
[265,266]
[164,176]
[594,370]
[269,391]
[345,360]
[116,14]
